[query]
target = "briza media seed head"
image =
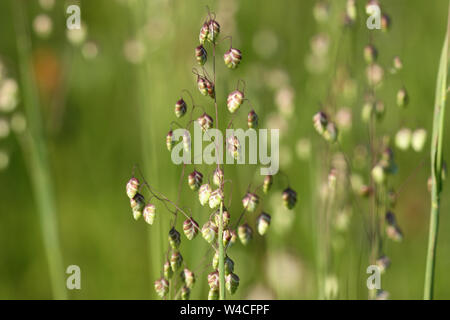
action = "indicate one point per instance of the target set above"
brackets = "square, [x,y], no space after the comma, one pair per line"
[365,191]
[168,272]
[203,33]
[213,294]
[245,233]
[228,263]
[204,193]
[190,228]
[132,187]
[398,64]
[289,197]
[383,263]
[370,53]
[262,223]
[186,141]
[225,218]
[216,198]
[162,287]
[201,55]
[234,100]
[185,293]
[195,179]
[331,133]
[320,122]
[402,97]
[250,202]
[213,280]
[321,11]
[379,109]
[209,231]
[176,260]
[229,237]
[234,146]
[232,58]
[231,283]
[180,108]
[378,174]
[351,11]
[188,277]
[403,139]
[218,177]
[267,184]
[205,121]
[419,138]
[213,31]
[169,140]
[174,238]
[252,119]
[205,86]
[385,22]
[137,205]
[394,233]
[149,213]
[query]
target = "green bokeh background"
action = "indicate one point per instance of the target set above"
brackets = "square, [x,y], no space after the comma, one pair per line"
[114,114]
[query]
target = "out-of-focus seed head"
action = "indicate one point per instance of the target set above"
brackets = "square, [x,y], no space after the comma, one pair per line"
[162,287]
[213,294]
[205,121]
[225,218]
[203,33]
[331,133]
[351,11]
[365,191]
[267,184]
[190,228]
[137,205]
[180,108]
[378,174]
[218,177]
[213,280]
[245,233]
[231,283]
[385,22]
[398,64]
[168,272]
[372,7]
[204,193]
[419,138]
[321,11]
[149,213]
[379,109]
[201,55]
[394,233]
[213,30]
[252,119]
[215,260]
[188,277]
[320,121]
[174,238]
[382,295]
[375,74]
[250,202]
[289,198]
[232,58]
[132,187]
[176,260]
[169,140]
[390,218]
[216,198]
[403,139]
[234,146]
[209,232]
[234,100]
[370,53]
[383,263]
[262,223]
[367,111]
[195,180]
[402,98]
[185,293]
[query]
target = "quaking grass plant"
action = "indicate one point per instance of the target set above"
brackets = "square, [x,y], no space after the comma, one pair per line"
[217,230]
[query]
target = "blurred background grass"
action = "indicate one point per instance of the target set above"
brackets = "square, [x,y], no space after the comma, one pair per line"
[104,114]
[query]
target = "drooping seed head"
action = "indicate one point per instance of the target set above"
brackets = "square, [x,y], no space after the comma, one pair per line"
[385,22]
[320,122]
[209,232]
[379,109]
[267,184]
[419,138]
[180,108]
[204,193]
[174,238]
[218,177]
[394,233]
[175,260]
[321,11]
[149,213]
[245,233]
[331,133]
[162,287]
[403,139]
[383,263]
[137,205]
[252,119]
[232,58]
[378,174]
[202,86]
[250,202]
[232,283]
[216,198]
[213,30]
[188,277]
[185,293]
[289,198]
[402,98]
[227,236]
[365,191]
[190,228]
[195,180]
[201,55]
[370,53]
[375,74]
[234,146]
[213,294]
[132,187]
[351,11]
[205,121]
[186,141]
[168,272]
[234,100]
[225,218]
[398,64]
[262,223]
[169,140]
[213,280]
[203,33]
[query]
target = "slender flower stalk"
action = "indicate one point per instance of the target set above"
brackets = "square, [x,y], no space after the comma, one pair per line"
[436,165]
